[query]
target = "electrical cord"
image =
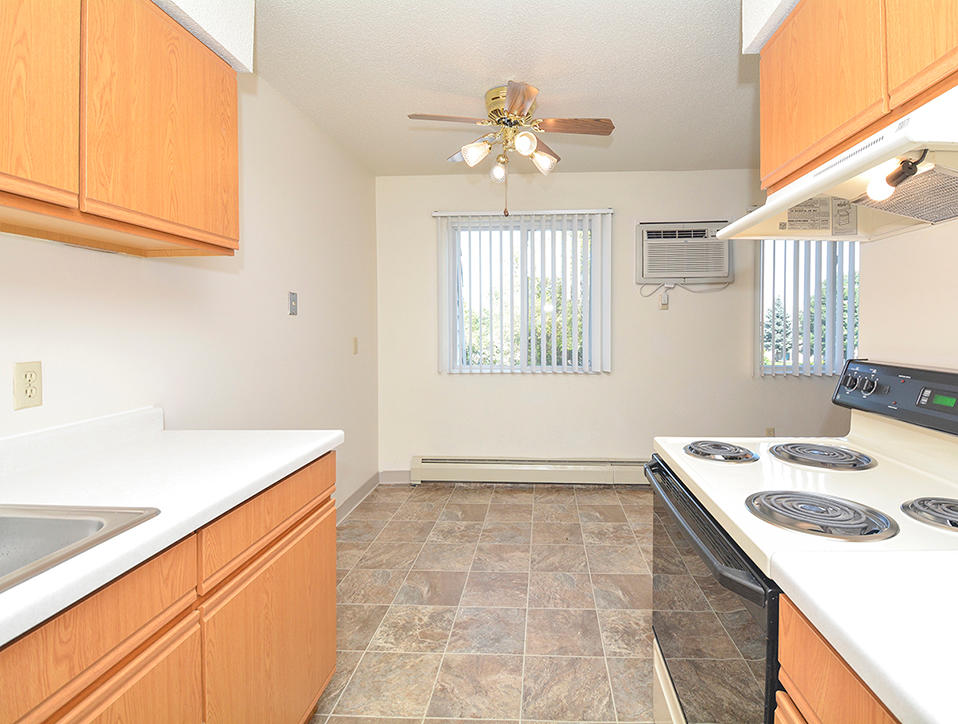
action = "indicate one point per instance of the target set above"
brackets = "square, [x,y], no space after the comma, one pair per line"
[686,287]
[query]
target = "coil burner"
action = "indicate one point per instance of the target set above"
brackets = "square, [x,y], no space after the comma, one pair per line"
[823,515]
[941,512]
[716,450]
[822,456]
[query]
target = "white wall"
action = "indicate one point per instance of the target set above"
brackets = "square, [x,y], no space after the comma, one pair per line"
[209,339]
[909,303]
[683,371]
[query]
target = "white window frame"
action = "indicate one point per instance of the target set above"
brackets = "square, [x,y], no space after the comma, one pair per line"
[806,265]
[593,286]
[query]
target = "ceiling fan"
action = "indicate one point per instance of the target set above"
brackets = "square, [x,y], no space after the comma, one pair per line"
[510,112]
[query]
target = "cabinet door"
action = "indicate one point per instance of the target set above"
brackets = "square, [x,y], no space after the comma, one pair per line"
[161,685]
[269,636]
[158,125]
[822,80]
[922,45]
[39,114]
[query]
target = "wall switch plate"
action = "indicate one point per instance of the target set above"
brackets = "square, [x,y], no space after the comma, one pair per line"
[27,385]
[769,432]
[293,304]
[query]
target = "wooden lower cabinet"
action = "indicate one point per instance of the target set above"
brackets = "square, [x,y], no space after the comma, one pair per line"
[785,710]
[269,635]
[164,684]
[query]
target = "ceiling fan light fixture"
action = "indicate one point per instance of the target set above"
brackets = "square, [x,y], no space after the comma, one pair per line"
[473,153]
[499,171]
[544,162]
[525,143]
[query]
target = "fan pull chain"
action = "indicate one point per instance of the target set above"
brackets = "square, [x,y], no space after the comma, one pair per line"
[505,188]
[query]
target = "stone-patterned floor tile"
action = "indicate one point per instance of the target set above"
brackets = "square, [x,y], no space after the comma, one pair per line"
[626,632]
[369,510]
[638,515]
[340,575]
[489,631]
[423,629]
[414,510]
[563,632]
[548,589]
[397,494]
[515,492]
[359,530]
[471,494]
[704,683]
[555,512]
[506,532]
[632,688]
[692,635]
[596,495]
[478,686]
[429,720]
[345,665]
[678,593]
[364,720]
[390,684]
[445,557]
[406,531]
[554,494]
[455,531]
[607,534]
[369,586]
[348,553]
[510,511]
[601,514]
[431,492]
[388,554]
[355,625]
[501,557]
[568,533]
[464,511]
[617,590]
[616,559]
[496,589]
[432,588]
[638,494]
[566,689]
[565,558]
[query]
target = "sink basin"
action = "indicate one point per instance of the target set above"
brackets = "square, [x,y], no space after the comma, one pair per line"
[34,538]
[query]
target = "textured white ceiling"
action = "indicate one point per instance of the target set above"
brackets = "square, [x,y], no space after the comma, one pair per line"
[668,72]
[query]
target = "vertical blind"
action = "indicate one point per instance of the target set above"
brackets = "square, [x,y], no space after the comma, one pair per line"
[809,306]
[528,292]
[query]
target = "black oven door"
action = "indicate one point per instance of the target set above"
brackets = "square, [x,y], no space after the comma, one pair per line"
[714,614]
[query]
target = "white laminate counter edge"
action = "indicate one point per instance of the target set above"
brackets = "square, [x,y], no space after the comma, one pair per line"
[192,476]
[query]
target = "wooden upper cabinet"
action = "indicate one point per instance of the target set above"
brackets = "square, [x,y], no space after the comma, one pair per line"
[158,125]
[39,114]
[922,45]
[822,80]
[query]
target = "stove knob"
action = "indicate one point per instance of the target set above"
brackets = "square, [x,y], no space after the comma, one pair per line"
[851,382]
[868,387]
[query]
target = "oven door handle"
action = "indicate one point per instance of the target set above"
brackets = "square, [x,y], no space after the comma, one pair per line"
[738,580]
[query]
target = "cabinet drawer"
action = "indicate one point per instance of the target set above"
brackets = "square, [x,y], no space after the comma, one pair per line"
[55,661]
[821,684]
[785,710]
[235,537]
[163,684]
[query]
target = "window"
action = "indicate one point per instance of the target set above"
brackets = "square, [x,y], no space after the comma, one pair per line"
[529,292]
[809,306]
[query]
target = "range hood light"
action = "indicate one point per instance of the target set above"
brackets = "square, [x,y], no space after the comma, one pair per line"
[879,189]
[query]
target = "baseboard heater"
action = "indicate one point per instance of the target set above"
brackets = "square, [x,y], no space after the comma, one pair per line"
[526,470]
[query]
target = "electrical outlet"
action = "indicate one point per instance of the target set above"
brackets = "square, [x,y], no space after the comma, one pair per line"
[27,385]
[293,304]
[769,432]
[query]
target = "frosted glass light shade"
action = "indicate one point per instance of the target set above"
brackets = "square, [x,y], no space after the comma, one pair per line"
[544,162]
[498,173]
[473,153]
[526,143]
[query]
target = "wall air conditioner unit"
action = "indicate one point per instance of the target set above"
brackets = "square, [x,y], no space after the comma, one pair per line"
[682,253]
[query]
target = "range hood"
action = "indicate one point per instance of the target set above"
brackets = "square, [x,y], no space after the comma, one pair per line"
[831,202]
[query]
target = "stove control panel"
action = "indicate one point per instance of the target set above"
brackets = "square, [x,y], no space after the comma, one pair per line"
[920,396]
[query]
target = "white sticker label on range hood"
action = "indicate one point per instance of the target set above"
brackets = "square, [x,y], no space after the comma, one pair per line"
[827,214]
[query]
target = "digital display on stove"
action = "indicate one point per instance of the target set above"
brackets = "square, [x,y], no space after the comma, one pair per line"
[943,400]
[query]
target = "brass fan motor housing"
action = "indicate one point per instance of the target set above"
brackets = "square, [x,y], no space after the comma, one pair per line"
[496,104]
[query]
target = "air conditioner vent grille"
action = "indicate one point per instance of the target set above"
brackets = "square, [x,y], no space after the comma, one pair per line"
[682,253]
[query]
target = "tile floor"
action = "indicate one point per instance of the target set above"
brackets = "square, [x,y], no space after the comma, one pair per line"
[501,603]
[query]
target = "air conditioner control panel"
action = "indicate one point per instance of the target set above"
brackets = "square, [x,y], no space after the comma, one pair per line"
[920,396]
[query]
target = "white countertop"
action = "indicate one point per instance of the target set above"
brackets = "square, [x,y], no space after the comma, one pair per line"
[192,476]
[891,617]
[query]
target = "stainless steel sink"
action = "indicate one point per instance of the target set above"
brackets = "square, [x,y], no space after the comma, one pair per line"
[34,538]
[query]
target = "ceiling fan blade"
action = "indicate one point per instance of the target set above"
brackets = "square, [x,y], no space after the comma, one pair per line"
[541,146]
[588,126]
[520,97]
[451,119]
[456,157]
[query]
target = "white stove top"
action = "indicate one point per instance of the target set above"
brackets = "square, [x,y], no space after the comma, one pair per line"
[912,462]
